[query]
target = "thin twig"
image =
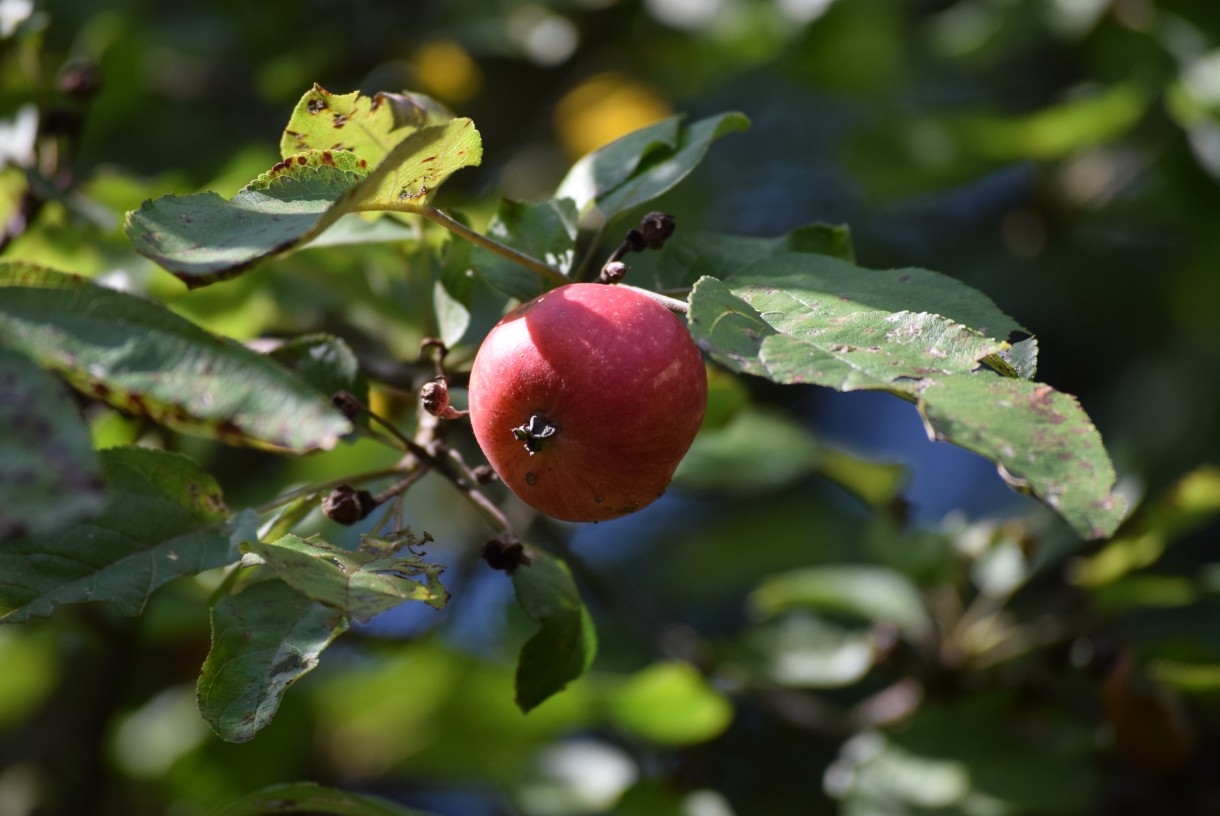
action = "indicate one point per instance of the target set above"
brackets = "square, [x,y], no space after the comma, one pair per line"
[531,263]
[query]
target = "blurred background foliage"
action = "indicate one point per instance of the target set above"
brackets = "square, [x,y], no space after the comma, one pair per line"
[828,613]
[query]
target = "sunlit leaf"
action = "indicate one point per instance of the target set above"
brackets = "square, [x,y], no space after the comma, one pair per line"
[359,583]
[203,238]
[565,643]
[368,126]
[1041,439]
[49,473]
[164,518]
[142,358]
[263,639]
[642,165]
[670,703]
[314,800]
[815,319]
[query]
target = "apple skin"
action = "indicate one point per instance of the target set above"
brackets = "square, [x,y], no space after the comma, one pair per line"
[618,378]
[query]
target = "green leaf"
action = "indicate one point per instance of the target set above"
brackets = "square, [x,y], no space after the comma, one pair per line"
[164,518]
[670,703]
[142,358]
[759,451]
[325,362]
[360,583]
[1187,504]
[545,230]
[874,594]
[263,639]
[806,291]
[203,238]
[1002,763]
[802,650]
[1041,440]
[815,319]
[564,646]
[727,327]
[642,165]
[1059,130]
[49,473]
[688,256]
[366,126]
[314,800]
[756,451]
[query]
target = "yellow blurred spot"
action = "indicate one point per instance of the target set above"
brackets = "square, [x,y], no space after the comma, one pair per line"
[444,70]
[603,108]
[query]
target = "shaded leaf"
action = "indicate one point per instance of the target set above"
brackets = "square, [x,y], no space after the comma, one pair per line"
[565,643]
[142,358]
[873,594]
[315,800]
[759,451]
[263,639]
[359,583]
[544,230]
[642,165]
[1058,130]
[325,362]
[164,518]
[49,473]
[756,451]
[689,256]
[1184,506]
[802,650]
[1004,762]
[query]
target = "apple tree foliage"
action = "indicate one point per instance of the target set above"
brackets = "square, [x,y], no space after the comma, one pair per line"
[110,526]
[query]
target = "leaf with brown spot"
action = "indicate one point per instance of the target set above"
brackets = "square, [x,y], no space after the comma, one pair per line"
[140,357]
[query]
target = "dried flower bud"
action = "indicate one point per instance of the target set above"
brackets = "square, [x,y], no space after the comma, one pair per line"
[655,229]
[435,398]
[613,272]
[505,553]
[346,505]
[347,404]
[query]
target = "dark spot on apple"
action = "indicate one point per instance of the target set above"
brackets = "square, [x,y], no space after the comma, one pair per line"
[531,478]
[599,499]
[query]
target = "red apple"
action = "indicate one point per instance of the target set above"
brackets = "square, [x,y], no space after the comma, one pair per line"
[585,399]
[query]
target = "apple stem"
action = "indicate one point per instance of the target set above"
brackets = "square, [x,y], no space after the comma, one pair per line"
[673,304]
[544,270]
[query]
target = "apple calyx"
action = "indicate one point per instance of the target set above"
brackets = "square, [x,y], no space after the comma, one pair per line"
[534,432]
